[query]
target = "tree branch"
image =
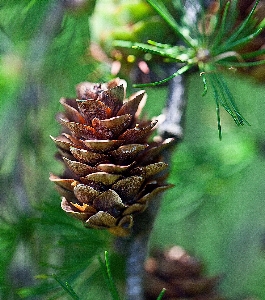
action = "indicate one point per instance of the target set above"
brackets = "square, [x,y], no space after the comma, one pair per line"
[22,266]
[172,126]
[173,114]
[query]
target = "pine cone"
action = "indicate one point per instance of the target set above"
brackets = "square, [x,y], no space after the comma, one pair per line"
[181,276]
[111,171]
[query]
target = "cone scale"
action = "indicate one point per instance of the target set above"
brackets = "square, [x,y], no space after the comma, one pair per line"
[181,274]
[112,170]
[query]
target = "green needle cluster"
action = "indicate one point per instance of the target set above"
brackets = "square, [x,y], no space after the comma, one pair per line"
[210,47]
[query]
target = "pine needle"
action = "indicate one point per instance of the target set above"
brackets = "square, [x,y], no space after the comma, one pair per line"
[216,97]
[161,9]
[241,64]
[179,72]
[160,296]
[205,85]
[108,275]
[243,25]
[67,287]
[221,31]
[242,41]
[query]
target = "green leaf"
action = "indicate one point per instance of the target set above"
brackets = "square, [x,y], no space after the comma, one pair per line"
[224,97]
[205,85]
[178,53]
[155,50]
[182,32]
[221,29]
[216,97]
[66,286]
[160,45]
[160,296]
[253,54]
[241,64]
[108,275]
[240,42]
[179,72]
[243,25]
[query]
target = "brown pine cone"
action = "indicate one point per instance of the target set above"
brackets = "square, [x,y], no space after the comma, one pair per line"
[112,171]
[180,274]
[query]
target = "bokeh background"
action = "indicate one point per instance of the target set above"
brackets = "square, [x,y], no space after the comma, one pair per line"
[216,210]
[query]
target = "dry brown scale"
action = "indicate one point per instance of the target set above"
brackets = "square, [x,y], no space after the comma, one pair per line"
[112,171]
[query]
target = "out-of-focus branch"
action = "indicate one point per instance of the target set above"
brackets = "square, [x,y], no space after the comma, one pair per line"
[30,93]
[173,115]
[171,126]
[137,247]
[26,102]
[137,253]
[136,250]
[41,42]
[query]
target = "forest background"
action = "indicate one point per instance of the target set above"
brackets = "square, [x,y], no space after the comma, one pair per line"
[216,209]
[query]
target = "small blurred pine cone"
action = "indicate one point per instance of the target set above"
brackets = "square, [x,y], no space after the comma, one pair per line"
[180,274]
[111,172]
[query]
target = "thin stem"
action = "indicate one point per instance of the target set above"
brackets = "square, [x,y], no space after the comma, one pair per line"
[135,249]
[137,253]
[137,244]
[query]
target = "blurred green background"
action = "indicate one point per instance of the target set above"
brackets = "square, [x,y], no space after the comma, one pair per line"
[215,211]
